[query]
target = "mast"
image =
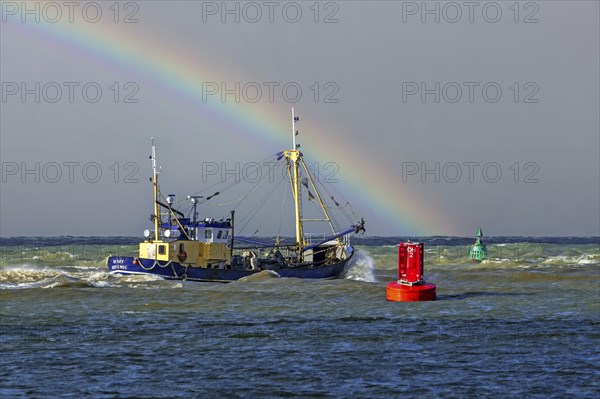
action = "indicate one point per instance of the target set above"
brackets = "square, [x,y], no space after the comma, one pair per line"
[299,232]
[155,184]
[293,156]
[232,232]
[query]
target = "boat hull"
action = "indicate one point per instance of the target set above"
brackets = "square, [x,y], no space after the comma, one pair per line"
[126,265]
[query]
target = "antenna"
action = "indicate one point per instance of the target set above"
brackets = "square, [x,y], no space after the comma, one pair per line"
[194,199]
[155,189]
[153,157]
[293,130]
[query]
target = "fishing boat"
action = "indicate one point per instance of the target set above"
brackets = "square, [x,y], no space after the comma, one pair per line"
[185,247]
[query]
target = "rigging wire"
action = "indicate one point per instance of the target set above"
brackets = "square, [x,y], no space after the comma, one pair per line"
[267,163]
[257,209]
[281,216]
[319,209]
[337,205]
[256,187]
[341,208]
[323,186]
[188,209]
[205,189]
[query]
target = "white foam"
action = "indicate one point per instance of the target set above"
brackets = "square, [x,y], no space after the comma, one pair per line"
[33,276]
[585,259]
[361,267]
[556,259]
[99,284]
[496,260]
[137,278]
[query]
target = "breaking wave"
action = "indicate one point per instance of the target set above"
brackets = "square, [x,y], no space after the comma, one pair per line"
[34,276]
[361,267]
[261,276]
[584,259]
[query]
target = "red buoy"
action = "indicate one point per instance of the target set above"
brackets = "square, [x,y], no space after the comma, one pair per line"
[410,293]
[410,286]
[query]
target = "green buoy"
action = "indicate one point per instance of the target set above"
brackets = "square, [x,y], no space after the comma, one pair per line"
[478,250]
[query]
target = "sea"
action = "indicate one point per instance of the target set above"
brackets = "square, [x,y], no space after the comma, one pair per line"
[524,323]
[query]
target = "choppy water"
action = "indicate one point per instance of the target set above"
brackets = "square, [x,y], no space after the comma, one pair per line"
[524,323]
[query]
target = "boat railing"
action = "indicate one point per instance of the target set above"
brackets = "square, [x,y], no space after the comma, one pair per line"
[316,237]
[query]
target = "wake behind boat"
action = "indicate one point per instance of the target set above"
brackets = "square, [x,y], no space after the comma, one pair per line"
[187,248]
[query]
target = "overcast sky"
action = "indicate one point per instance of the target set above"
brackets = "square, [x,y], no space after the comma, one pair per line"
[498,102]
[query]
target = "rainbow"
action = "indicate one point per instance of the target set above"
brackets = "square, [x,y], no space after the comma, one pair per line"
[178,74]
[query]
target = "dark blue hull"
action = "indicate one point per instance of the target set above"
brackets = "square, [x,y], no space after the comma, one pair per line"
[127,265]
